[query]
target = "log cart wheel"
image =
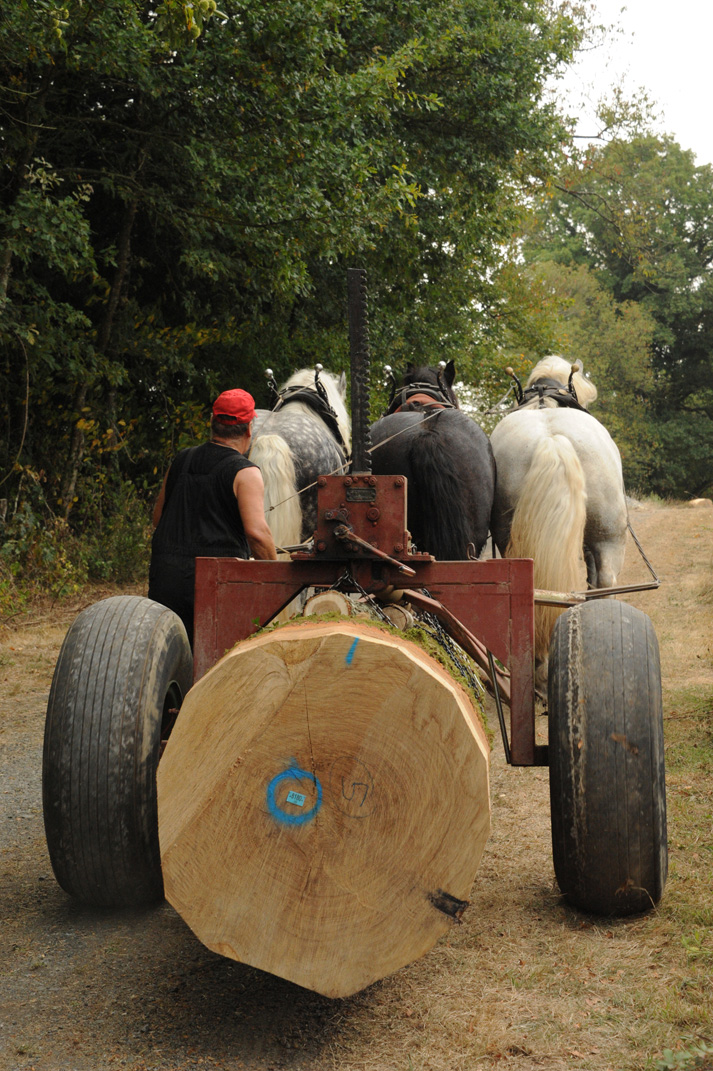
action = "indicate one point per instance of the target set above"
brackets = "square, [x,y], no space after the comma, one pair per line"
[322,803]
[606,756]
[122,672]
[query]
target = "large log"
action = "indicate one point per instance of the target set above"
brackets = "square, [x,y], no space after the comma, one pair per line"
[323,804]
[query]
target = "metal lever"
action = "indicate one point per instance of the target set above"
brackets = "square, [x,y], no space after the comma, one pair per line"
[346,534]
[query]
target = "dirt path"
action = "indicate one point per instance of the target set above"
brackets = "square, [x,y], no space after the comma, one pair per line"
[524,982]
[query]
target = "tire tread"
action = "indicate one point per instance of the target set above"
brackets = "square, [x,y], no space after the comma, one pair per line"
[101,749]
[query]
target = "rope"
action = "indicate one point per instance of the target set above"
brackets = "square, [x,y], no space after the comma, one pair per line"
[649,566]
[494,408]
[409,427]
[334,472]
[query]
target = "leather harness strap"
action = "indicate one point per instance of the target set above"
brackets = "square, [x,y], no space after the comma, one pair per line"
[415,396]
[315,401]
[419,401]
[550,388]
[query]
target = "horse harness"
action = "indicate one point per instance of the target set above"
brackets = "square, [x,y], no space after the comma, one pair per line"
[316,398]
[417,397]
[566,397]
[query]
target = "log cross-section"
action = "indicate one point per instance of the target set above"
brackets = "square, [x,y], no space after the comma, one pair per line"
[323,795]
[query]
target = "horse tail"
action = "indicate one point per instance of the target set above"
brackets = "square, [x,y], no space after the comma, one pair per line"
[440,525]
[283,510]
[548,526]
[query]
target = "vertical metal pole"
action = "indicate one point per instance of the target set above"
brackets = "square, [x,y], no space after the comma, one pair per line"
[359,355]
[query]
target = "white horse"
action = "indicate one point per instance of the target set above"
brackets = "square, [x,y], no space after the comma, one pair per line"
[294,444]
[560,490]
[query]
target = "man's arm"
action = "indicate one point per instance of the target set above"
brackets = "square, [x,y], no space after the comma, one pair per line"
[249,490]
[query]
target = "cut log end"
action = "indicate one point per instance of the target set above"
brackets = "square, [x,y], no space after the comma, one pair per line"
[323,804]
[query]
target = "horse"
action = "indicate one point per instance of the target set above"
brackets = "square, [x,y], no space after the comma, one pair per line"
[560,494]
[306,435]
[447,460]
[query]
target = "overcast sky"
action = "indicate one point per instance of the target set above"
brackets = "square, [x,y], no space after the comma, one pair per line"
[667,48]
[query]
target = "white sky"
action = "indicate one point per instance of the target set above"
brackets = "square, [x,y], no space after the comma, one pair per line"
[664,47]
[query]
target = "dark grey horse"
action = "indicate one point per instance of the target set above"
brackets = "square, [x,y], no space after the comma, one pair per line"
[447,460]
[307,435]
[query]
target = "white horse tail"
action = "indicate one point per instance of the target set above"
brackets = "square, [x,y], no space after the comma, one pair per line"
[548,525]
[283,509]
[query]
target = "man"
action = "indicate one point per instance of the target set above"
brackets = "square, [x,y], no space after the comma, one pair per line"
[210,505]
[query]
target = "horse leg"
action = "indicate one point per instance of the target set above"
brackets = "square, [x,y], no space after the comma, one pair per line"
[501,538]
[591,564]
[500,524]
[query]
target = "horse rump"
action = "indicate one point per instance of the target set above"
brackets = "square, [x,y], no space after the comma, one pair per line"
[453,483]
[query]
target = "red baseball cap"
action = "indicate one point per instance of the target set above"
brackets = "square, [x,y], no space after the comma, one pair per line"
[234,407]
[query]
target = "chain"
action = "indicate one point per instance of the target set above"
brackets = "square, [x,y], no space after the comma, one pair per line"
[372,605]
[435,630]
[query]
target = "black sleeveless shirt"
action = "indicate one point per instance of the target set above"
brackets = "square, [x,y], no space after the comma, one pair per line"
[200,515]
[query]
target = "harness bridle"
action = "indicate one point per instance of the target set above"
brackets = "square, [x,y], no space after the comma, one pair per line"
[418,396]
[315,397]
[565,397]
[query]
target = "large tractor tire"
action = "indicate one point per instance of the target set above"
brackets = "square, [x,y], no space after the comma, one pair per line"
[606,749]
[123,670]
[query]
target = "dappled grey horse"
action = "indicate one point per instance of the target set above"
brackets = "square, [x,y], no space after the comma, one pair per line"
[307,434]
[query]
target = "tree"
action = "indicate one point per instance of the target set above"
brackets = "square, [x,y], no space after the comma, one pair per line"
[637,213]
[182,189]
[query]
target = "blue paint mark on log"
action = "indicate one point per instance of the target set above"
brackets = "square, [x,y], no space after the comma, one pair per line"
[350,656]
[287,818]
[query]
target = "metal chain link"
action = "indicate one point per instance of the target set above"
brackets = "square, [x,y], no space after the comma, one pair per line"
[457,655]
[372,605]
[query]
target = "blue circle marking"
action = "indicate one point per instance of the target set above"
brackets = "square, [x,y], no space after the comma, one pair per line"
[292,773]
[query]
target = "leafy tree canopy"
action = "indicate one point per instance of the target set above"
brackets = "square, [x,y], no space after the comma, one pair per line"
[636,214]
[183,186]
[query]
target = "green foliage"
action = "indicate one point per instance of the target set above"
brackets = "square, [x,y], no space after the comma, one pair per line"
[635,215]
[698,1055]
[116,541]
[613,340]
[183,187]
[40,554]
